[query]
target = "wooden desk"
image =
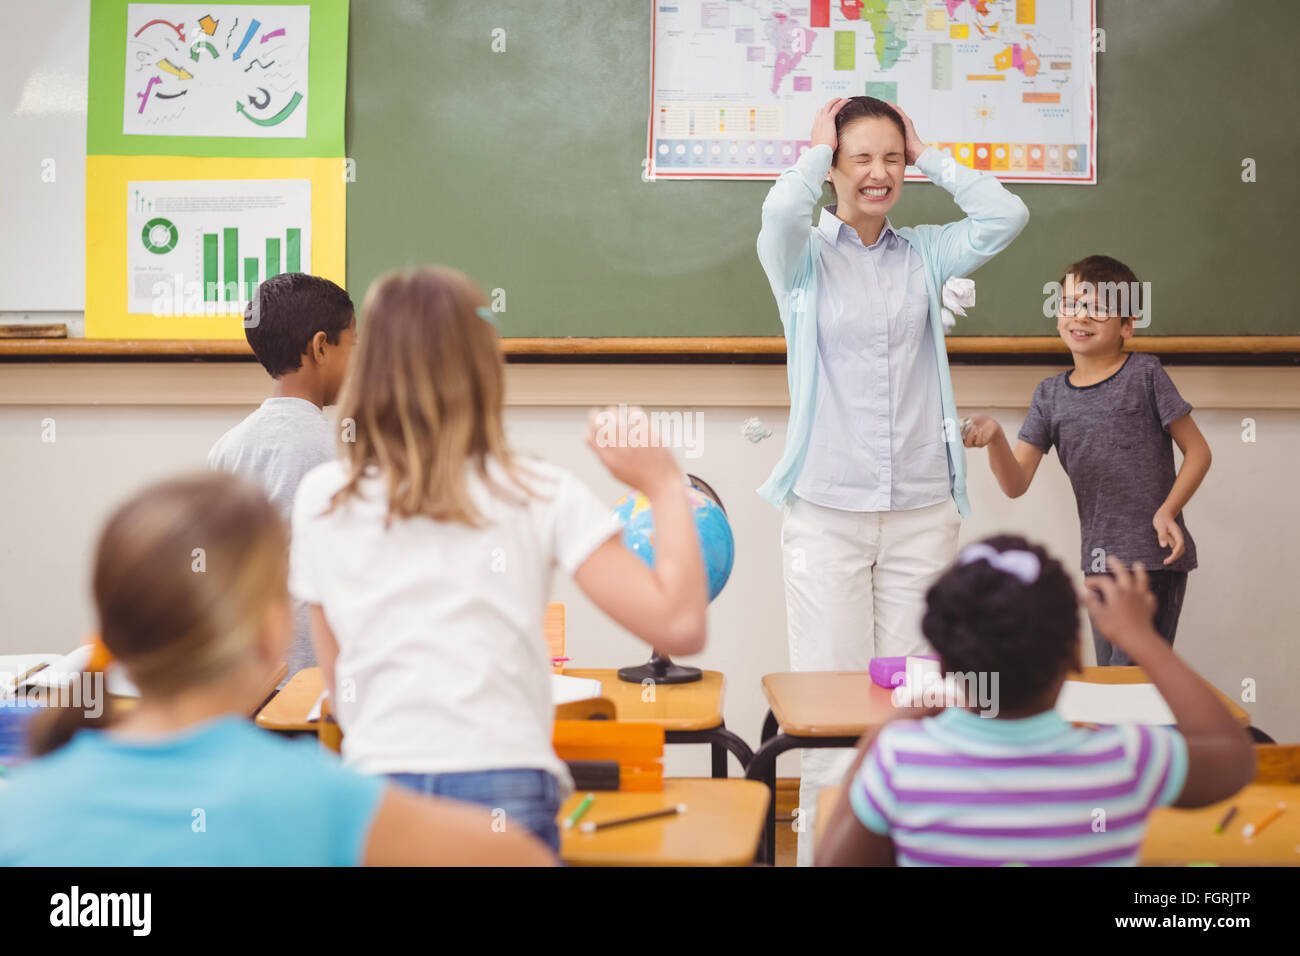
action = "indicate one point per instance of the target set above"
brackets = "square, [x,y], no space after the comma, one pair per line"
[695,706]
[812,709]
[688,713]
[1178,837]
[287,711]
[677,707]
[721,826]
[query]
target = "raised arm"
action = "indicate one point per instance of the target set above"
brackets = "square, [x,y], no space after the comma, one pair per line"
[788,206]
[664,605]
[1220,760]
[994,214]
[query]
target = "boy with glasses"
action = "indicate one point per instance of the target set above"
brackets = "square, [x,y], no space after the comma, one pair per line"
[1113,420]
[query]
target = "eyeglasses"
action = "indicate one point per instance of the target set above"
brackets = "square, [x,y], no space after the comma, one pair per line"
[487,315]
[1075,309]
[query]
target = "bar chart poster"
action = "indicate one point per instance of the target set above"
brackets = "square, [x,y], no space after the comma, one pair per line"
[200,247]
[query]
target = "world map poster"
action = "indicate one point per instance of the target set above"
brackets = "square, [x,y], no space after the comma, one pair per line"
[1007,86]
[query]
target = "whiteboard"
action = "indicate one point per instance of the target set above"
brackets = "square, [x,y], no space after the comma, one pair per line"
[43,82]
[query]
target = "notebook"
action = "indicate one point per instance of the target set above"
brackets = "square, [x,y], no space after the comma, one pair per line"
[1089,703]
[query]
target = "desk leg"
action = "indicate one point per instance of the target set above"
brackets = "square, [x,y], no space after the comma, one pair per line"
[763,767]
[770,728]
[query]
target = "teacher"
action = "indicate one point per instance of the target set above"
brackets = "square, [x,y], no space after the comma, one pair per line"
[872,482]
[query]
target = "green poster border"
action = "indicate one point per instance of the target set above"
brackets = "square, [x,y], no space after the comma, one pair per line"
[327,56]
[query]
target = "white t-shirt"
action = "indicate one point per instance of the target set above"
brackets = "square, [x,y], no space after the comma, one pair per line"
[275,447]
[442,664]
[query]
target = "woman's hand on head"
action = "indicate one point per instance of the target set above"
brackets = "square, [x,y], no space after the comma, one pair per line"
[823,128]
[912,145]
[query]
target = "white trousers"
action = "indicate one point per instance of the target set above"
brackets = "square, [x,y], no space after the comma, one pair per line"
[855,586]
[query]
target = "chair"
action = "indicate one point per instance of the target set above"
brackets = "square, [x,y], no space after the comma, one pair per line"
[553,629]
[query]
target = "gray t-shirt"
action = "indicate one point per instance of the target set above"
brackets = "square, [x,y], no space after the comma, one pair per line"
[274,447]
[1114,444]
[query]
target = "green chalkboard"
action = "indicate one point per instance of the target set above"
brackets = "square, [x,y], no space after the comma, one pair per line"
[523,168]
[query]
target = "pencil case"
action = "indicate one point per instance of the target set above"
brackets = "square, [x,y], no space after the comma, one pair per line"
[892,671]
[594,774]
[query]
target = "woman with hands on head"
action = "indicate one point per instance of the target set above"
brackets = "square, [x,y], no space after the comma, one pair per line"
[872,482]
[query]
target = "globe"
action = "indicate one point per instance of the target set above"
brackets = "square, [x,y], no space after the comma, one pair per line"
[716,541]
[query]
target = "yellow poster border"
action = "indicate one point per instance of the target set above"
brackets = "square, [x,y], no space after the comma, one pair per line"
[106,235]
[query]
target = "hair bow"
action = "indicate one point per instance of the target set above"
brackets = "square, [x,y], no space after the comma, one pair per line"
[1022,564]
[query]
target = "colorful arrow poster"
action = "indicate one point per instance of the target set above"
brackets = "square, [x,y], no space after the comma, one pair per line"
[234,71]
[214,160]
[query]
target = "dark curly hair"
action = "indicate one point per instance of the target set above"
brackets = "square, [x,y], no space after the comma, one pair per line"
[983,620]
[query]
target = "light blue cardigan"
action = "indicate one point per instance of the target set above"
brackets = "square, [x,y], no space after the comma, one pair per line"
[788,249]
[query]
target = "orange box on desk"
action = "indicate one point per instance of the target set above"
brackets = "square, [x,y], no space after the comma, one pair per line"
[641,777]
[608,740]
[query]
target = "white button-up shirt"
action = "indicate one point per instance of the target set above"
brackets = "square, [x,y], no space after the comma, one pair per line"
[877,440]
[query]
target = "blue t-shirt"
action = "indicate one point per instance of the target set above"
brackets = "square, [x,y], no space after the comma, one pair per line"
[223,793]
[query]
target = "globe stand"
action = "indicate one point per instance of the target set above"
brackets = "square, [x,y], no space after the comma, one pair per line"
[660,670]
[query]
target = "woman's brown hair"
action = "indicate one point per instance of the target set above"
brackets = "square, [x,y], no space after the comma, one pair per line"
[424,397]
[184,574]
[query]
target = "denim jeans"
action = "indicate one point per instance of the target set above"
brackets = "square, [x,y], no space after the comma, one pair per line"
[530,798]
[1169,587]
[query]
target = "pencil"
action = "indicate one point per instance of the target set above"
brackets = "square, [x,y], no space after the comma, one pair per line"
[581,808]
[1226,819]
[28,673]
[592,826]
[1252,829]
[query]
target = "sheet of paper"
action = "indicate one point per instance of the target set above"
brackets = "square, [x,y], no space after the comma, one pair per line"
[200,247]
[314,713]
[64,669]
[565,690]
[1086,702]
[233,71]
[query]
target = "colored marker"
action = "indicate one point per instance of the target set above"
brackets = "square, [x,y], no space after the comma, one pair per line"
[1227,817]
[576,815]
[592,827]
[1254,829]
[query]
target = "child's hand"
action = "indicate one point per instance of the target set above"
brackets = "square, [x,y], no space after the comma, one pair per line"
[978,430]
[912,145]
[823,128]
[1170,535]
[1122,607]
[629,453]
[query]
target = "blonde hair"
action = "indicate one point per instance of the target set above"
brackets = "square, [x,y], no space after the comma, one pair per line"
[425,397]
[185,571]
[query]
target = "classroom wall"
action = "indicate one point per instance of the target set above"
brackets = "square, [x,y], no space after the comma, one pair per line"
[118,426]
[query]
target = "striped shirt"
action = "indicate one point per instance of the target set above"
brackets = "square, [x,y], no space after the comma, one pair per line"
[963,790]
